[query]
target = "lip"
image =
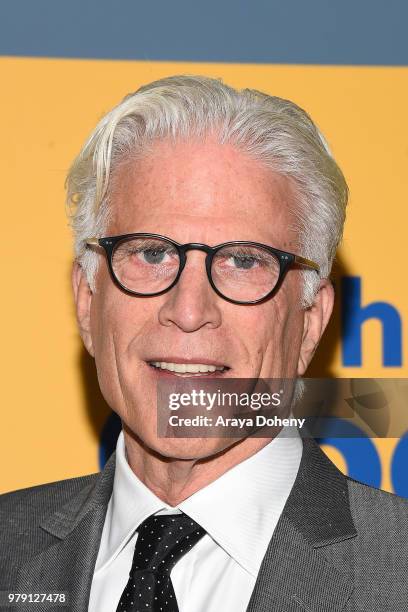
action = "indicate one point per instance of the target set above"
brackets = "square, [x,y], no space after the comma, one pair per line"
[158,373]
[203,360]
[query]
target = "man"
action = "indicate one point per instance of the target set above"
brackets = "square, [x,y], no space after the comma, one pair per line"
[206,220]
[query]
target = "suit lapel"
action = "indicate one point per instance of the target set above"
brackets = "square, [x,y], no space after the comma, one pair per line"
[74,530]
[295,574]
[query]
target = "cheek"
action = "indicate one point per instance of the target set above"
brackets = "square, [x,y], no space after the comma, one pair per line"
[114,313]
[270,322]
[275,330]
[103,316]
[102,329]
[109,322]
[121,326]
[289,340]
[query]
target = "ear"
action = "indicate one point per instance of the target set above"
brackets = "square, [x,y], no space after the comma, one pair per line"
[83,299]
[315,321]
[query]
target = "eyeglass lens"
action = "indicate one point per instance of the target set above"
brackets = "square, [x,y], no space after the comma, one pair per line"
[240,272]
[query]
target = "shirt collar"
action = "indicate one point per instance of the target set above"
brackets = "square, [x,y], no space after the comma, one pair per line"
[239,510]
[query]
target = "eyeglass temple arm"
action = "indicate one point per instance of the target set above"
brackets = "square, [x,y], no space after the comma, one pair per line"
[307,262]
[92,242]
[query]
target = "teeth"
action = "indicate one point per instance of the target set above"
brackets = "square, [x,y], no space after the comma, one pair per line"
[186,368]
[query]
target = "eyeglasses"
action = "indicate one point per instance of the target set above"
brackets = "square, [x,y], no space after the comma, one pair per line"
[241,272]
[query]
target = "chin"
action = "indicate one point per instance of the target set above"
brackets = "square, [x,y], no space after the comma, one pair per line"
[190,449]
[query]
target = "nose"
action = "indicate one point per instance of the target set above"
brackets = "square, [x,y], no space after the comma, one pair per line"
[191,304]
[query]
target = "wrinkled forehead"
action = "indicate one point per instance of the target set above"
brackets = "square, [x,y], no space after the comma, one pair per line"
[202,191]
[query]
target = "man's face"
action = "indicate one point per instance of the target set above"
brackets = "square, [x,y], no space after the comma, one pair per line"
[193,192]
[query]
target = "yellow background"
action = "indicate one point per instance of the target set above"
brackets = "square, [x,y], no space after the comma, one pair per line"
[52,410]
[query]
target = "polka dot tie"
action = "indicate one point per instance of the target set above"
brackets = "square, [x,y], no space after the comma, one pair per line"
[161,542]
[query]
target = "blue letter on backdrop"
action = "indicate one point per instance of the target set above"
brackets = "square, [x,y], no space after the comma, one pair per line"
[353,317]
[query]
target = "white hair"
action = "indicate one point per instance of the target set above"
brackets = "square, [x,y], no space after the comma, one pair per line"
[275,131]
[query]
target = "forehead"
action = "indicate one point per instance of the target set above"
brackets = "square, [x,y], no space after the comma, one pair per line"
[202,192]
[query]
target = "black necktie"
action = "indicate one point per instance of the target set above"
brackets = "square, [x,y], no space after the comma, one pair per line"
[161,542]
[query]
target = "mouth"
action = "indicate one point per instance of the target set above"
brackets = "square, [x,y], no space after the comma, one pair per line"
[187,369]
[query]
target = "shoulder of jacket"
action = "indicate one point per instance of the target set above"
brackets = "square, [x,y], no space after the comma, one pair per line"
[43,498]
[381,509]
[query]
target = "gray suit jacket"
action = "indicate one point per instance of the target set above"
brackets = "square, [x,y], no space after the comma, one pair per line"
[339,544]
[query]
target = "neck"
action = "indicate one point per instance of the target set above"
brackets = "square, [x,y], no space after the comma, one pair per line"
[174,479]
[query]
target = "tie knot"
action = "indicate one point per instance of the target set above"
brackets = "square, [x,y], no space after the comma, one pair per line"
[163,540]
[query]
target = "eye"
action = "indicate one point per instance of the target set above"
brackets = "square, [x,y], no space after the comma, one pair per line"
[245,262]
[242,259]
[142,251]
[154,255]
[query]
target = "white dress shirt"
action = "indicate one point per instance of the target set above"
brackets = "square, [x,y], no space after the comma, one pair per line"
[239,512]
